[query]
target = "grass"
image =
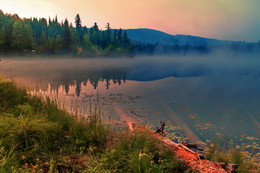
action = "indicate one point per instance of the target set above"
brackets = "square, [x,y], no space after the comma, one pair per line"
[34,128]
[136,152]
[37,136]
[236,155]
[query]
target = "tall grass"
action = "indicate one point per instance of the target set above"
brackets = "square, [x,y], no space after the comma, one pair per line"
[11,96]
[246,161]
[138,152]
[37,136]
[7,158]
[27,133]
[33,128]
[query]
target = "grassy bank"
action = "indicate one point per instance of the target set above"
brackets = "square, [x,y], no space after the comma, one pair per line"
[246,161]
[36,136]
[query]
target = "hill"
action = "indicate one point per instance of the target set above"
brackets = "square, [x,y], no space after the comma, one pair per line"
[155,36]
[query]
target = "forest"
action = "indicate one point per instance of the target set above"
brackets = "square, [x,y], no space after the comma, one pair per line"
[39,36]
[33,36]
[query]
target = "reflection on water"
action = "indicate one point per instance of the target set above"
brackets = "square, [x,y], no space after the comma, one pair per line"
[204,96]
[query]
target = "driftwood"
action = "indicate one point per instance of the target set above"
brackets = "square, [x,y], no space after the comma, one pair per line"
[161,129]
[132,112]
[190,145]
[230,167]
[195,161]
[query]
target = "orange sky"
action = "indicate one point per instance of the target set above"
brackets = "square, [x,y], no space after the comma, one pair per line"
[222,19]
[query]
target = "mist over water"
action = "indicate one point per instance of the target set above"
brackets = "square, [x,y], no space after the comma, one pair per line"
[138,68]
[203,94]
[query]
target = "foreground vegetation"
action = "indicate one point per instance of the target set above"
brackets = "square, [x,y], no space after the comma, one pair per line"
[36,136]
[246,161]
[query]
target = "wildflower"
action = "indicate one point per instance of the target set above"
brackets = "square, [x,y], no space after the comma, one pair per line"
[23,157]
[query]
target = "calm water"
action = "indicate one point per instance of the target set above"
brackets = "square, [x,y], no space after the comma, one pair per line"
[204,96]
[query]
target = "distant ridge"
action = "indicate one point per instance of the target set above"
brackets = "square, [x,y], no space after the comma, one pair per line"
[154,36]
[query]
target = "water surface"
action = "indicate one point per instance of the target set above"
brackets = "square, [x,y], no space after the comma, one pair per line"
[204,96]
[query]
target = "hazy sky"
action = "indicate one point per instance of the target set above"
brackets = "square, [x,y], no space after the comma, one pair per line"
[222,19]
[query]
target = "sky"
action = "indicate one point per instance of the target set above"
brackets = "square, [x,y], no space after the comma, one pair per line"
[221,19]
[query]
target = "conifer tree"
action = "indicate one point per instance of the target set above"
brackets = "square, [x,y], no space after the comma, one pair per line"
[119,36]
[66,36]
[108,34]
[79,28]
[78,21]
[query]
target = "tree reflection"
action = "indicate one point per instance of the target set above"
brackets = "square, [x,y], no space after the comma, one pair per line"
[78,88]
[94,78]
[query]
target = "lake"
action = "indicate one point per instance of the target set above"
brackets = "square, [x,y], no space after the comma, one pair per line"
[201,96]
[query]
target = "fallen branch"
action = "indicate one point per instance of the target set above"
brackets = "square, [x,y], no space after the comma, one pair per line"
[197,162]
[190,145]
[161,129]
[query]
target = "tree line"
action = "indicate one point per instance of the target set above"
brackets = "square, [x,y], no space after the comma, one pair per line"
[33,35]
[51,37]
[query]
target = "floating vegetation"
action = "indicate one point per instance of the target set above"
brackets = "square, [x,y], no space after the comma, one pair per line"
[193,116]
[206,126]
[186,109]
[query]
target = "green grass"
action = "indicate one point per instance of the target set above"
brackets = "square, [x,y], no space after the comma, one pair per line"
[34,128]
[37,136]
[136,152]
[245,160]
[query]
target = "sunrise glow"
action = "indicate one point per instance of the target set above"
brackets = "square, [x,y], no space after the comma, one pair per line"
[228,20]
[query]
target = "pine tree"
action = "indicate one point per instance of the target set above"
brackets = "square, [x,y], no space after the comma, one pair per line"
[78,21]
[126,40]
[79,28]
[94,34]
[115,38]
[43,42]
[66,36]
[119,36]
[108,34]
[95,27]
